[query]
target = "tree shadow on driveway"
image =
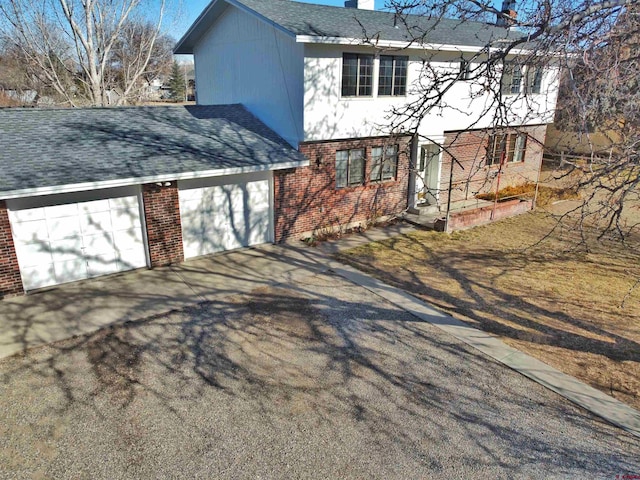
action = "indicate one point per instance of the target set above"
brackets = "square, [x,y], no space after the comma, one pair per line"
[319,379]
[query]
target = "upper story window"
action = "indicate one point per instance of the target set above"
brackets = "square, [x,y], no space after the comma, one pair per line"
[511,145]
[357,75]
[384,163]
[534,79]
[392,78]
[349,167]
[511,79]
[465,70]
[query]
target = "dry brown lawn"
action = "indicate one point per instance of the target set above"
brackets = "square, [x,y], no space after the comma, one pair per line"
[576,311]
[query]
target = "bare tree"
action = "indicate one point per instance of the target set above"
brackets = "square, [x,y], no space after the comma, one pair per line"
[80,38]
[595,42]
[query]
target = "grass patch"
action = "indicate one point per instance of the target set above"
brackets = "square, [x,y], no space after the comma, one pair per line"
[557,303]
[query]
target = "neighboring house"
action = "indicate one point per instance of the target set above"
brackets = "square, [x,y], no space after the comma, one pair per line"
[88,192]
[306,72]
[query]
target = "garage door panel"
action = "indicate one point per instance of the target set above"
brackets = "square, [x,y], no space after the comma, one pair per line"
[124,219]
[99,244]
[33,254]
[124,203]
[70,270]
[28,232]
[95,206]
[65,249]
[60,211]
[102,264]
[29,215]
[130,259]
[95,223]
[38,276]
[128,239]
[63,227]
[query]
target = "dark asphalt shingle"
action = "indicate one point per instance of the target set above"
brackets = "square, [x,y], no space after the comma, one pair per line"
[54,147]
[328,21]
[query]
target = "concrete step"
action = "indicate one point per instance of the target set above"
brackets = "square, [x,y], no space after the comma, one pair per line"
[424,210]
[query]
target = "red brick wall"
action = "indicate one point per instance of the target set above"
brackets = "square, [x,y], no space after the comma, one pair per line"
[470,149]
[10,281]
[164,230]
[307,199]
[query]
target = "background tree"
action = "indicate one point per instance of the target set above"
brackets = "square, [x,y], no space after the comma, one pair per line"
[75,46]
[177,83]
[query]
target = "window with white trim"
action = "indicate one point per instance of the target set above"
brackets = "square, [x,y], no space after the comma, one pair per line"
[512,145]
[392,75]
[511,79]
[465,70]
[384,163]
[534,79]
[357,75]
[349,167]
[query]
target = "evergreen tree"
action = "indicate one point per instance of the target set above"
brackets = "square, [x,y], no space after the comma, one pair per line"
[176,83]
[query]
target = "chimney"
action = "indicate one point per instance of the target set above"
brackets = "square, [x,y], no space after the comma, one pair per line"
[361,4]
[508,9]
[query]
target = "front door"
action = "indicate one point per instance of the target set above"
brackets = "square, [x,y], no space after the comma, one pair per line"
[427,176]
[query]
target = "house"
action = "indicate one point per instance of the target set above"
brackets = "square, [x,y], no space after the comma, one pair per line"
[290,135]
[327,78]
[89,192]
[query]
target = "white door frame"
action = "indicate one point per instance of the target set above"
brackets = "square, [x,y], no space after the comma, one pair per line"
[422,174]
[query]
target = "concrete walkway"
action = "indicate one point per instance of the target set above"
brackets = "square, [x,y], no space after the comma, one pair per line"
[88,306]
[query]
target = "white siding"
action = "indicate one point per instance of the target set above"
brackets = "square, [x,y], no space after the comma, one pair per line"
[329,116]
[242,59]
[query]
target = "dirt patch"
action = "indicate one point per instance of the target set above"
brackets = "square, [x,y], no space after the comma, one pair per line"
[558,303]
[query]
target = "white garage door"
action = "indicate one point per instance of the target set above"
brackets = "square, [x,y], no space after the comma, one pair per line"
[64,238]
[225,213]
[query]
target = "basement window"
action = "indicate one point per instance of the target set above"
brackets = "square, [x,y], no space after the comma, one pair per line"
[349,168]
[511,145]
[384,163]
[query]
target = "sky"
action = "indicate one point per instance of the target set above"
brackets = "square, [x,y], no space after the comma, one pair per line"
[193,8]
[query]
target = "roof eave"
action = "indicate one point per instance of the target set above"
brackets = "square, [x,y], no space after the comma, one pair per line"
[316,39]
[124,182]
[207,18]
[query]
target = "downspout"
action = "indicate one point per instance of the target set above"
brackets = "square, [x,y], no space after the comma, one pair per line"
[446,219]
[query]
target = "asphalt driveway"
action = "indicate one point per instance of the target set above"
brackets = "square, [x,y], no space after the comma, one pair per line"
[316,378]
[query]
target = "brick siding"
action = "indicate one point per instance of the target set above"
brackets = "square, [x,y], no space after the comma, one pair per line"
[306,199]
[164,229]
[10,280]
[470,149]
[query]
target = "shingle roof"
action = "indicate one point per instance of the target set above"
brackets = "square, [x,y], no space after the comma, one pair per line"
[337,22]
[55,147]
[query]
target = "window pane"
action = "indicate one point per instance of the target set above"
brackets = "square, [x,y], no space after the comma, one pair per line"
[497,144]
[400,74]
[536,81]
[356,167]
[349,74]
[376,164]
[516,79]
[521,142]
[366,75]
[511,147]
[342,161]
[390,163]
[386,75]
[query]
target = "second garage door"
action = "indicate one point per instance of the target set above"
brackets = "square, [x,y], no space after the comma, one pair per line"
[225,213]
[63,238]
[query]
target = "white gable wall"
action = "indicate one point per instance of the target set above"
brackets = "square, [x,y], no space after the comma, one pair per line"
[242,59]
[327,115]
